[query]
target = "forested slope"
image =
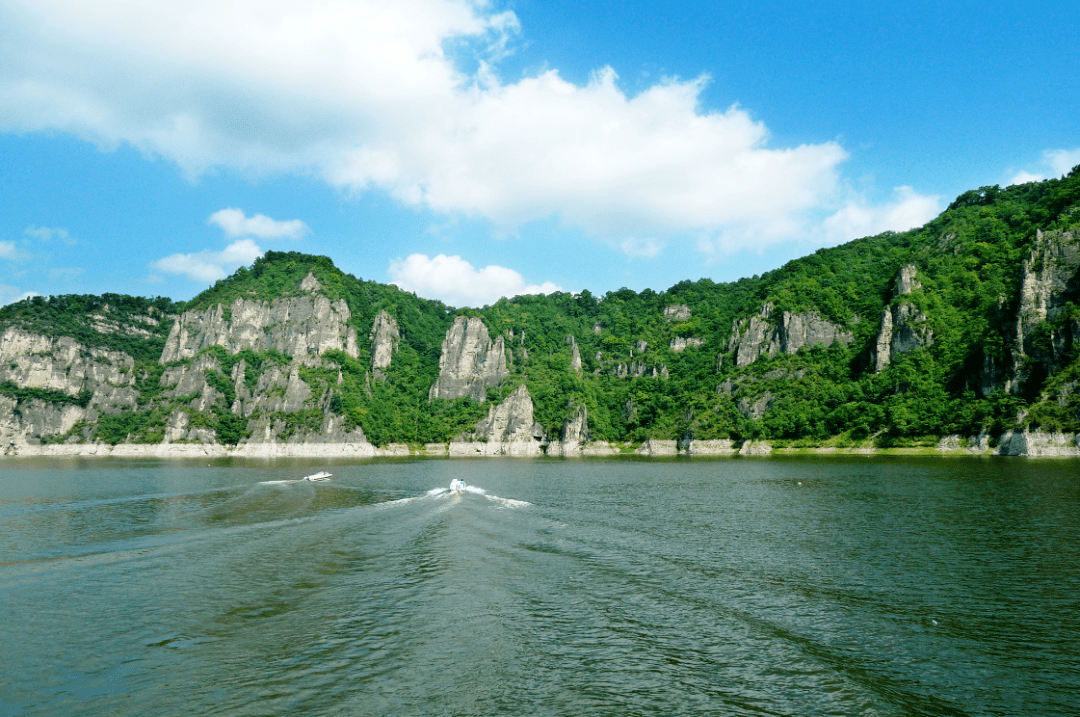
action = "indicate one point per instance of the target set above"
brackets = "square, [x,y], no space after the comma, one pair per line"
[966,326]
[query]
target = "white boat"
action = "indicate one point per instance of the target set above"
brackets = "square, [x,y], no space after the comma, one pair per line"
[318,477]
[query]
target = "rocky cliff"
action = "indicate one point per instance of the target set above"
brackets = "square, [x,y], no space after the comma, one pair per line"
[1050,279]
[384,339]
[767,334]
[303,326]
[509,429]
[470,363]
[903,325]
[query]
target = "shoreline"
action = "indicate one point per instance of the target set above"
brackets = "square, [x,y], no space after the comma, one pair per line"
[1024,444]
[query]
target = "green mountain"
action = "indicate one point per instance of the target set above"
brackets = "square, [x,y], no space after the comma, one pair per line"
[966,327]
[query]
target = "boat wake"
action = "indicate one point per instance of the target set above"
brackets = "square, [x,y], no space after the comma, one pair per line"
[504,502]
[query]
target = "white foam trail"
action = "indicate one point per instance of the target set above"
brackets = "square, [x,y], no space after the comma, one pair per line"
[277,482]
[474,489]
[508,502]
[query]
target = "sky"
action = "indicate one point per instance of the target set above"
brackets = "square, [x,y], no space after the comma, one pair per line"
[467,150]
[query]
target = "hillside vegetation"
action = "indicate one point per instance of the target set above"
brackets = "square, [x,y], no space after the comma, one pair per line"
[967,325]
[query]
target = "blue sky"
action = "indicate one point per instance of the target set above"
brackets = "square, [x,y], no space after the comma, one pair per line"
[468,150]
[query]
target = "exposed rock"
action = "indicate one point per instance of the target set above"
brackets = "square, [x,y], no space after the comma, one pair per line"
[905,281]
[758,408]
[903,326]
[511,420]
[384,339]
[1049,281]
[658,447]
[680,343]
[277,389]
[638,369]
[574,434]
[191,380]
[761,336]
[470,363]
[711,447]
[575,355]
[677,312]
[1038,444]
[62,364]
[299,326]
[29,422]
[755,448]
[641,346]
[310,283]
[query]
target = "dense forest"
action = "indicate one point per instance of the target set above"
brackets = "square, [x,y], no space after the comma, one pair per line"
[983,306]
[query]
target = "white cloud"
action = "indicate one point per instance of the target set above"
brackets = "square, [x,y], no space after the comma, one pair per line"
[455,281]
[47,234]
[364,95]
[1061,161]
[236,224]
[7,249]
[635,246]
[11,294]
[210,266]
[1056,162]
[907,210]
[1025,177]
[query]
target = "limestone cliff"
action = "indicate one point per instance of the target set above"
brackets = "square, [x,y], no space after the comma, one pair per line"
[574,435]
[384,339]
[903,326]
[1049,280]
[766,335]
[64,366]
[509,429]
[470,363]
[302,326]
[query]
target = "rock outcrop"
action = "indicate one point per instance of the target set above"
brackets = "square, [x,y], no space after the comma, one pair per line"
[1049,280]
[509,429]
[677,312]
[384,341]
[766,335]
[303,327]
[574,435]
[575,355]
[62,364]
[470,363]
[680,343]
[903,326]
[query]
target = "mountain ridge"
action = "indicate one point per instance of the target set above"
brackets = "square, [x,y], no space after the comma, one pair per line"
[961,334]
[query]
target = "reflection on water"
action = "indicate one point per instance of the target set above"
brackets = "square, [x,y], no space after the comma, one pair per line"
[746,587]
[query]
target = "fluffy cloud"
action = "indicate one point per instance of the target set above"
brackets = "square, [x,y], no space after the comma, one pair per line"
[455,281]
[47,234]
[209,266]
[236,224]
[907,210]
[364,95]
[1059,161]
[7,249]
[1062,161]
[11,294]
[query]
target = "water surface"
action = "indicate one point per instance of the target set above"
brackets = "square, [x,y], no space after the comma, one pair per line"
[847,586]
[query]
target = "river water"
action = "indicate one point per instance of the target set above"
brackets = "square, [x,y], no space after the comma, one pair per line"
[851,586]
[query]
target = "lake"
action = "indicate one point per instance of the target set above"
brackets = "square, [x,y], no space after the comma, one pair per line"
[841,586]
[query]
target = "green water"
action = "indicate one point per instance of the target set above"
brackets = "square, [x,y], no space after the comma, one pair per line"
[611,587]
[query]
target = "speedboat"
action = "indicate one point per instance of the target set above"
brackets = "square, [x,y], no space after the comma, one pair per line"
[318,477]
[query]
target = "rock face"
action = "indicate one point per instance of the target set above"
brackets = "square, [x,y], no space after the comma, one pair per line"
[62,364]
[677,312]
[575,432]
[1050,279]
[384,341]
[761,335]
[903,326]
[680,343]
[299,326]
[470,363]
[29,360]
[575,355]
[509,429]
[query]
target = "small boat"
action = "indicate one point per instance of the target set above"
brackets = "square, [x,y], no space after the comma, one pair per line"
[318,477]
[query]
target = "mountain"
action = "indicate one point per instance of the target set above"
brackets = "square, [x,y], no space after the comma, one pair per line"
[959,335]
